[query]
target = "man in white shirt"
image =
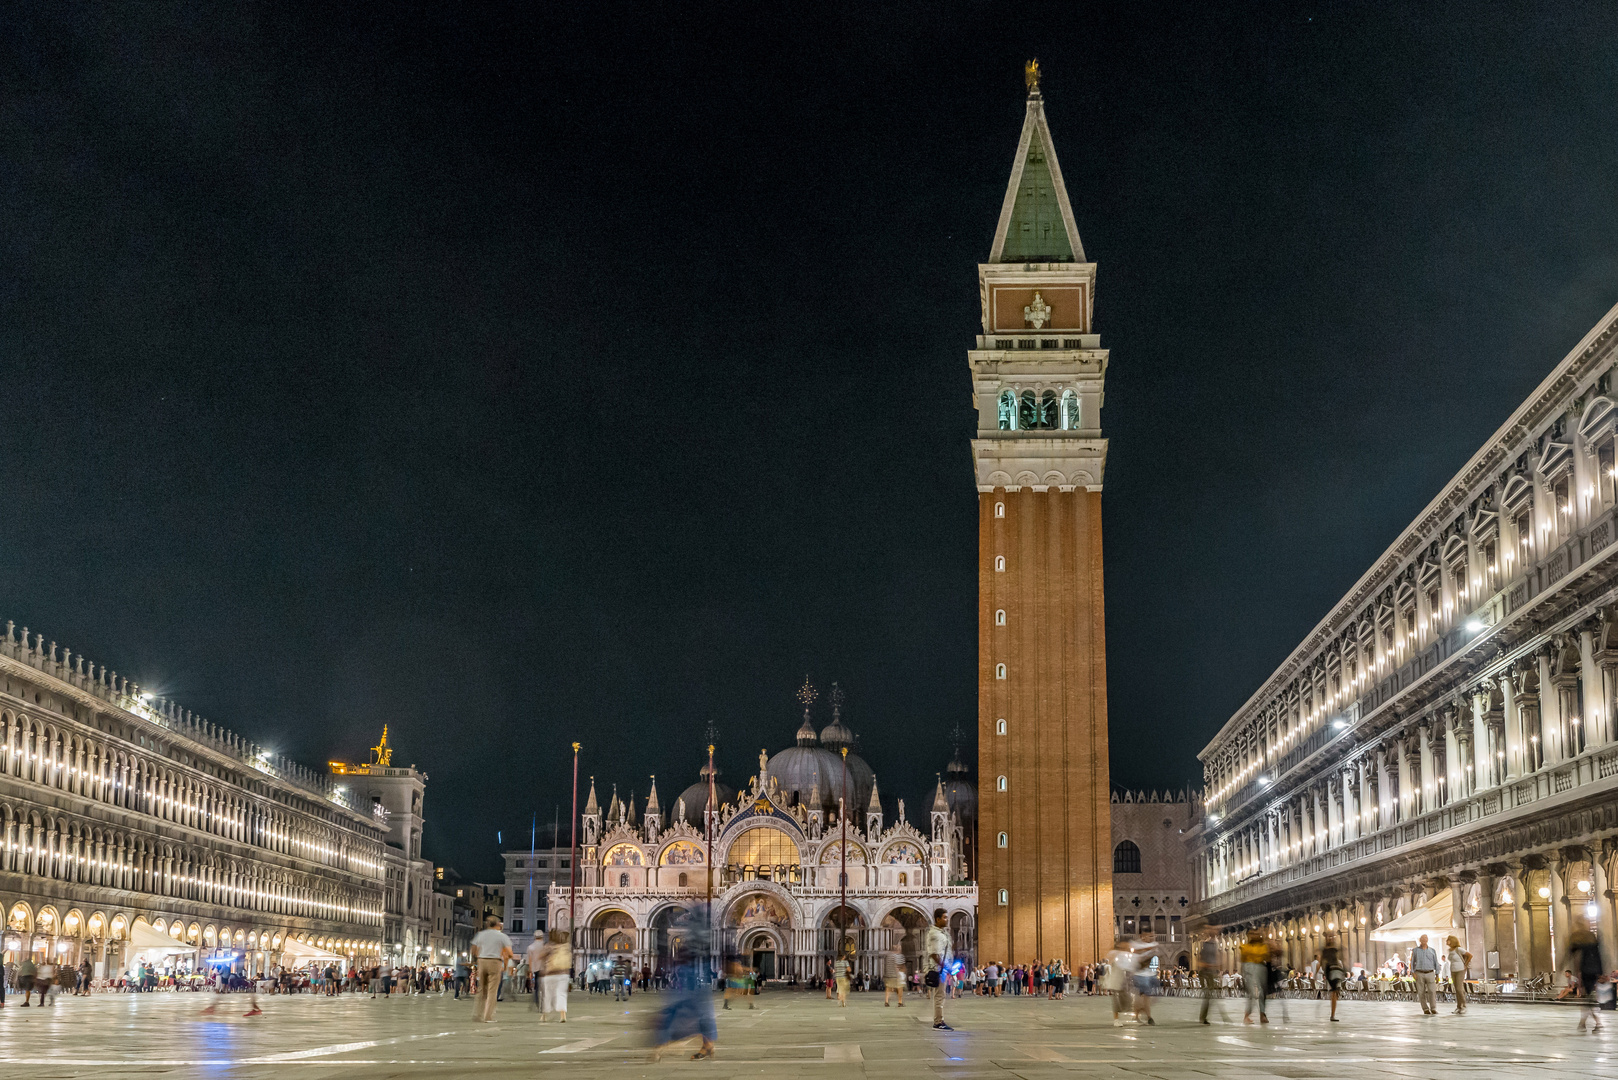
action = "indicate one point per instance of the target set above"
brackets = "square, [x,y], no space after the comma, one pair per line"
[491,952]
[935,947]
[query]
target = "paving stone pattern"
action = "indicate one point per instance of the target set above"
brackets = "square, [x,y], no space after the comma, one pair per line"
[790,1034]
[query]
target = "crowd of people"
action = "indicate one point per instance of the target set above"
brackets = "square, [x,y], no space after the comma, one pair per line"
[1128,974]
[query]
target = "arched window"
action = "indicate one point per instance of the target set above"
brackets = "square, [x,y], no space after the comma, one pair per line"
[1008,410]
[1126,858]
[623,881]
[682,881]
[1000,509]
[999,727]
[1000,617]
[999,564]
[1070,410]
[999,671]
[1005,897]
[1000,783]
[1000,841]
[1047,409]
[1027,411]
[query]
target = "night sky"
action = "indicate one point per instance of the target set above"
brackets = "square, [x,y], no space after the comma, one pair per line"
[596,373]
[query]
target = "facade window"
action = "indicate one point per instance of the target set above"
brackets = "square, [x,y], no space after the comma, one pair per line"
[1070,410]
[999,564]
[623,881]
[999,671]
[904,879]
[1000,509]
[1126,858]
[516,898]
[999,727]
[1000,617]
[1000,784]
[1000,841]
[1005,897]
[516,926]
[1027,410]
[682,881]
[1008,410]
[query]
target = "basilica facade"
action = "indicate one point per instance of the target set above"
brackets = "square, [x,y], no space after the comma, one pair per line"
[800,863]
[1440,754]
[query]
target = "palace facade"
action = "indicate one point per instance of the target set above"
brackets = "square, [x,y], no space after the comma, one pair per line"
[1441,752]
[1038,374]
[777,851]
[131,828]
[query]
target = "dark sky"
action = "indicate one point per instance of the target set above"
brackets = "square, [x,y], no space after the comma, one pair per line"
[591,372]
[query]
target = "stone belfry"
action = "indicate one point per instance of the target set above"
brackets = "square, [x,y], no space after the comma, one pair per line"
[1044,831]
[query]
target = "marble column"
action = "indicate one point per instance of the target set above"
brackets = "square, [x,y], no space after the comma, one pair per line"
[1556,867]
[1526,967]
[1408,803]
[1482,756]
[1550,720]
[1486,887]
[1590,681]
[1602,864]
[1427,791]
[1511,721]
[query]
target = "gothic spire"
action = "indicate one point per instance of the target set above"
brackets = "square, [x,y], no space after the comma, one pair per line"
[590,804]
[940,805]
[651,800]
[876,802]
[1036,220]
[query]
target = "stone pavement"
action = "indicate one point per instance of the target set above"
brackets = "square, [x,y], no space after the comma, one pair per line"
[790,1034]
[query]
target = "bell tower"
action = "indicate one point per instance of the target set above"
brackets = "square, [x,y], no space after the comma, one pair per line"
[1044,830]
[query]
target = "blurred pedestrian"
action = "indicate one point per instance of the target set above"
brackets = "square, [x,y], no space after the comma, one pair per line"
[1586,955]
[689,1011]
[1208,972]
[1255,974]
[1331,965]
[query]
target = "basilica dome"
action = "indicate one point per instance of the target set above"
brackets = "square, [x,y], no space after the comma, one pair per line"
[959,792]
[695,797]
[807,771]
[816,763]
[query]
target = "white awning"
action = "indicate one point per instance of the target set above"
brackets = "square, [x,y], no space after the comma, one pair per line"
[1435,918]
[300,953]
[146,939]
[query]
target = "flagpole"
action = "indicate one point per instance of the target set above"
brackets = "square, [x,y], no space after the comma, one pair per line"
[573,829]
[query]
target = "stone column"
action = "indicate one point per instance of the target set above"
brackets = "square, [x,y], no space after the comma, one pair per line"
[1550,722]
[1590,680]
[1602,862]
[1427,792]
[1407,780]
[1486,915]
[1524,944]
[1334,811]
[1511,723]
[1385,793]
[1365,822]
[1556,868]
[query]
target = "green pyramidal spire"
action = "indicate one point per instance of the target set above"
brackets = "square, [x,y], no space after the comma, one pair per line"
[1036,220]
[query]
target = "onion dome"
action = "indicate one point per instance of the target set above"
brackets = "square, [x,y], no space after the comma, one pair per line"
[695,797]
[960,795]
[835,736]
